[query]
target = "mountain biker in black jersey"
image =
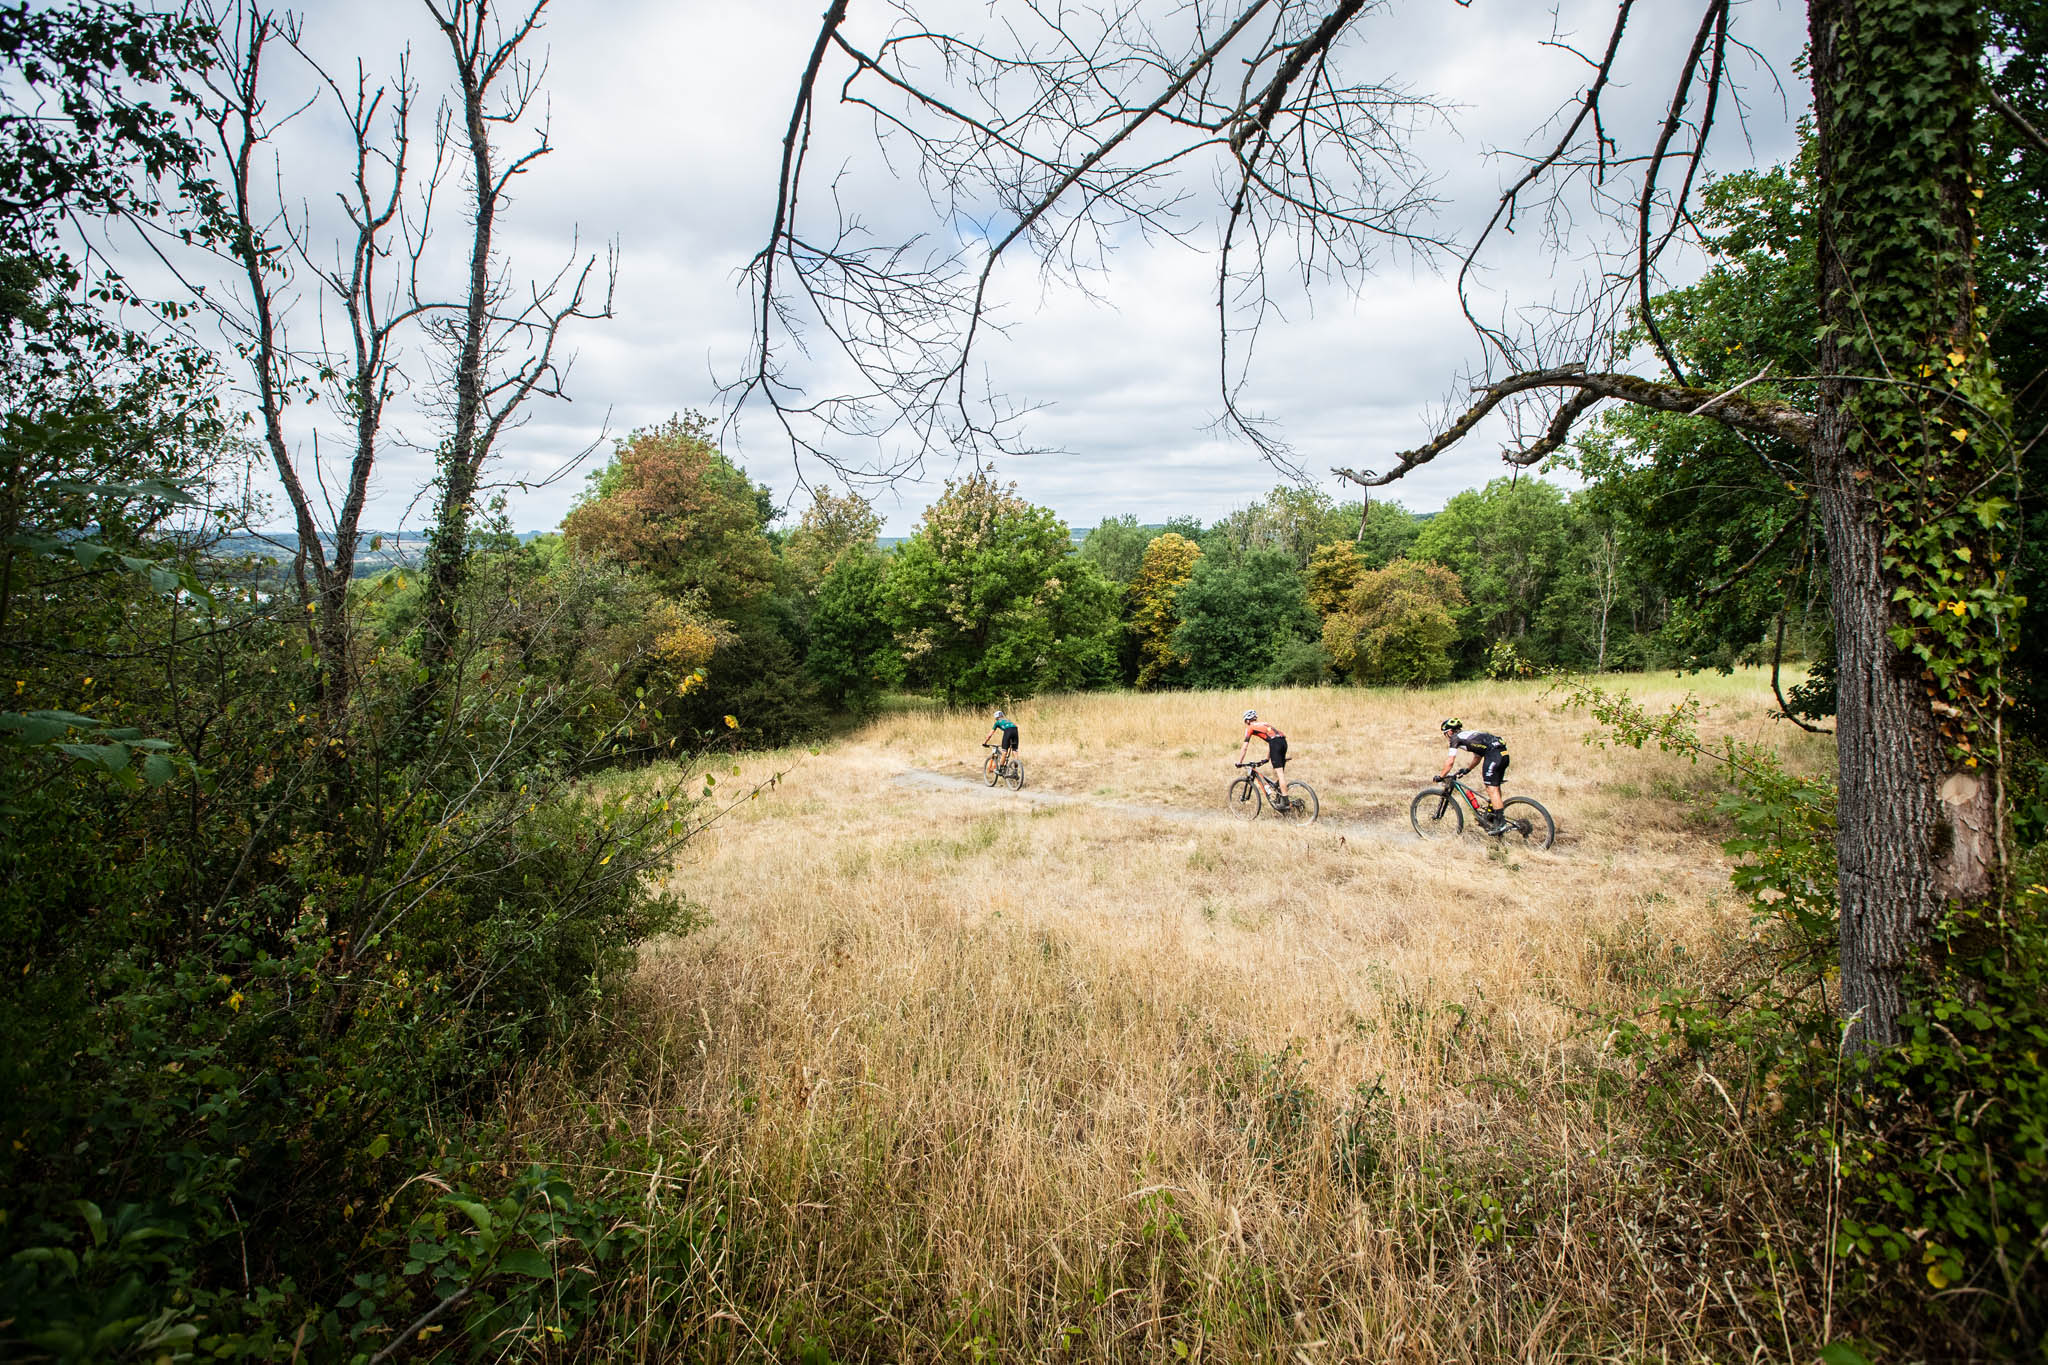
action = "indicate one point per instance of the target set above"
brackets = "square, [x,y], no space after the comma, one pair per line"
[1492,761]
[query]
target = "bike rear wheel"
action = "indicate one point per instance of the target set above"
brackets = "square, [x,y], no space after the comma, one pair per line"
[1014,774]
[1302,807]
[1528,823]
[992,768]
[1243,800]
[1436,814]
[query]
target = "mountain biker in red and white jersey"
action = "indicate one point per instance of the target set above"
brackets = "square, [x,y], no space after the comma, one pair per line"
[1276,747]
[1491,760]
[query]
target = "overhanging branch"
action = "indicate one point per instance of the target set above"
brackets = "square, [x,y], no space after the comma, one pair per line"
[1726,406]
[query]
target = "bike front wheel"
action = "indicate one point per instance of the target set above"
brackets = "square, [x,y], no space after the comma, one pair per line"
[1435,814]
[1528,823]
[1301,808]
[1014,774]
[992,769]
[1243,800]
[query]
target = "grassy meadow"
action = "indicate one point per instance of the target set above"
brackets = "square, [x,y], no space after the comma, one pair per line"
[1093,1072]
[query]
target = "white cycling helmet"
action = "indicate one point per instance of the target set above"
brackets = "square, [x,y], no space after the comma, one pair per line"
[999,713]
[1250,716]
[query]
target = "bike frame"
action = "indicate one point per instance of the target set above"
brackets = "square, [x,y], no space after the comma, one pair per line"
[1456,784]
[1263,778]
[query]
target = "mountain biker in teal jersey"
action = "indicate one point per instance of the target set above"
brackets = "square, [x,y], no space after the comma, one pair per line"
[1491,760]
[1006,728]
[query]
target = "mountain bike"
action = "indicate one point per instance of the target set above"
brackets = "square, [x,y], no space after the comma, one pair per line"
[1436,814]
[1255,788]
[1003,765]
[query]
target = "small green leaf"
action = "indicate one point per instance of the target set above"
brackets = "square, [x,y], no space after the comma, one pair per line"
[478,1214]
[528,1262]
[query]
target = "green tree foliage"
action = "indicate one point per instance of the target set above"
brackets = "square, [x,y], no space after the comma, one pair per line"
[1390,529]
[1067,640]
[1288,519]
[672,506]
[850,641]
[974,593]
[1693,505]
[689,522]
[1238,615]
[1397,625]
[1514,547]
[1152,610]
[1116,545]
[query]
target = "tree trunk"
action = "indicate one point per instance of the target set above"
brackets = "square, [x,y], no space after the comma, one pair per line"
[447,558]
[1903,453]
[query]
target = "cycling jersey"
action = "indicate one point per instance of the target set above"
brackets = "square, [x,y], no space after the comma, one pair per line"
[1492,749]
[1009,729]
[1275,737]
[1476,741]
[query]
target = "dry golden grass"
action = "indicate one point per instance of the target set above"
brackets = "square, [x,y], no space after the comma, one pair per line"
[985,1075]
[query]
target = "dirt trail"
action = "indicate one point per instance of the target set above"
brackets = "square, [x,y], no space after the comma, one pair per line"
[919,779]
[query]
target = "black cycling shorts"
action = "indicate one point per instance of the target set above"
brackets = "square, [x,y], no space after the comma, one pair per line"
[1276,750]
[1009,739]
[1494,766]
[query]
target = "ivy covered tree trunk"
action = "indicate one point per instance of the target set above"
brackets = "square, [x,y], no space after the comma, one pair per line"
[1914,482]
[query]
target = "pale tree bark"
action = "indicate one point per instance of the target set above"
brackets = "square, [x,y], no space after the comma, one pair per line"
[369,280]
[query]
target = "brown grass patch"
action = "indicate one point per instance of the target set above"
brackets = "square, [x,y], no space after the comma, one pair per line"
[976,1075]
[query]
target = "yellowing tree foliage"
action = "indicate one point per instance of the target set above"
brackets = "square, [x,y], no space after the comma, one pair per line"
[670,505]
[1397,626]
[1154,617]
[831,525]
[1333,572]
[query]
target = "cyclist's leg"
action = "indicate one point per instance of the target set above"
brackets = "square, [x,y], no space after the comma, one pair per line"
[1276,750]
[1493,773]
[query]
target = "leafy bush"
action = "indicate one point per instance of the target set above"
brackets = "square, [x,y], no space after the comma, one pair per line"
[249,1001]
[1940,1143]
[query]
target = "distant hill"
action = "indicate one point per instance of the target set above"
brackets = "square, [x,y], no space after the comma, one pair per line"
[376,552]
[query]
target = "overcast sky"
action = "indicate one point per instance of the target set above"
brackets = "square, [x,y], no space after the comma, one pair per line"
[666,122]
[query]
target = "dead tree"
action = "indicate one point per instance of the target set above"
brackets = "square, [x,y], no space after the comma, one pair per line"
[370,278]
[350,324]
[503,349]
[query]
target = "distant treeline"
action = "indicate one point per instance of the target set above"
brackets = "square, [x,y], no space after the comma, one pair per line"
[671,586]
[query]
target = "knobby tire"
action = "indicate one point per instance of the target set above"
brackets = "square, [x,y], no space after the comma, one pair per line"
[1244,799]
[1302,806]
[1541,831]
[1436,813]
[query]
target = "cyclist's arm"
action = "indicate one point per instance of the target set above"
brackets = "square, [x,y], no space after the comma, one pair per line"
[1245,747]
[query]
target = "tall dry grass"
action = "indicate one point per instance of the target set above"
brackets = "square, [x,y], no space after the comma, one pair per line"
[968,1074]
